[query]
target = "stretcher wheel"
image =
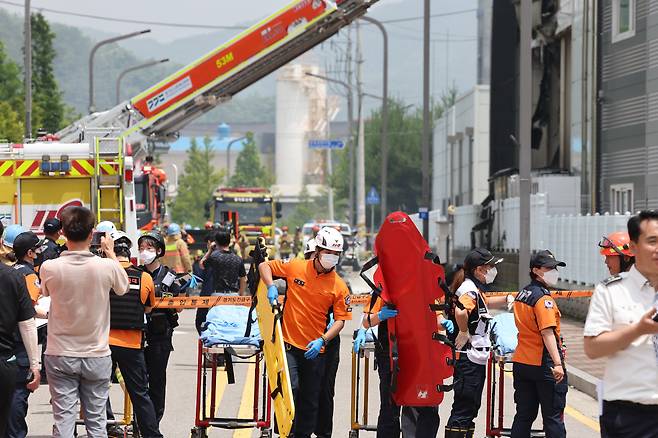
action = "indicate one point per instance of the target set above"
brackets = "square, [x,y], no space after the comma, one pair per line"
[354,434]
[198,432]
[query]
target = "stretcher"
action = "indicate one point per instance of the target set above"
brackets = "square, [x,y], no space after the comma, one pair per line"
[209,360]
[499,364]
[359,405]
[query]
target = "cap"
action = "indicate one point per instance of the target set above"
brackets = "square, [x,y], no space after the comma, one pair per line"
[25,242]
[545,259]
[479,257]
[52,225]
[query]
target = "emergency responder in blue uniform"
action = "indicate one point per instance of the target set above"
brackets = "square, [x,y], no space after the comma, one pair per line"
[27,246]
[160,322]
[539,373]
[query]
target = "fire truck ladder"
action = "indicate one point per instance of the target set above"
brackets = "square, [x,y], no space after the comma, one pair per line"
[108,167]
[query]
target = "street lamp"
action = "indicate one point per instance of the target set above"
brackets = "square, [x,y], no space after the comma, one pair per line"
[350,128]
[137,67]
[91,61]
[384,171]
[228,155]
[425,202]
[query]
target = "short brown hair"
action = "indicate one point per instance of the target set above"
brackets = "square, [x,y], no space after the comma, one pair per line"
[77,223]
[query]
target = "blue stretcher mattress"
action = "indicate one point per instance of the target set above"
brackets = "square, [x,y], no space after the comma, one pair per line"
[227,325]
[505,333]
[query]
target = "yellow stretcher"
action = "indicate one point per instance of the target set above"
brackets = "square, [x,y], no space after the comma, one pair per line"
[359,422]
[276,362]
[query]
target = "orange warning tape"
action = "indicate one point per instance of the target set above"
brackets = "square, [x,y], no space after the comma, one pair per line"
[355,300]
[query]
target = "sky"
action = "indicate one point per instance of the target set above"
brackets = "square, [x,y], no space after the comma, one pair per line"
[203,12]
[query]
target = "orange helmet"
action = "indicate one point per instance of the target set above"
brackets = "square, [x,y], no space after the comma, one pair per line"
[616,244]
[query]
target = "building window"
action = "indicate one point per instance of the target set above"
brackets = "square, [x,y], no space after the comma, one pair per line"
[623,19]
[621,198]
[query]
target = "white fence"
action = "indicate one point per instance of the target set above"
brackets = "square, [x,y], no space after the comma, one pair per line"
[572,238]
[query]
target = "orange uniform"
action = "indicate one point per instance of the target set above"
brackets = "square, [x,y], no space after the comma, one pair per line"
[133,338]
[534,311]
[309,299]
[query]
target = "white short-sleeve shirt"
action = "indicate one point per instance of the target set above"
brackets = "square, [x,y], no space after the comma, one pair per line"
[630,374]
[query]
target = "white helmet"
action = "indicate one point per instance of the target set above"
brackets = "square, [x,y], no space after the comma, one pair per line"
[106,227]
[121,238]
[329,238]
[309,247]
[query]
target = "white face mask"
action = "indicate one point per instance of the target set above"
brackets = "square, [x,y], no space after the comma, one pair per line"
[490,276]
[147,256]
[550,277]
[328,261]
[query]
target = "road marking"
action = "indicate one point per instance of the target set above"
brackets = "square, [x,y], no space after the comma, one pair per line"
[247,402]
[220,386]
[582,418]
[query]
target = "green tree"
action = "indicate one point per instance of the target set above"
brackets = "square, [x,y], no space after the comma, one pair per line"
[248,170]
[307,209]
[11,107]
[49,109]
[405,127]
[197,184]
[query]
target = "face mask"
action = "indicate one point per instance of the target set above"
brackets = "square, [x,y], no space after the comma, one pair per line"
[328,261]
[490,276]
[550,277]
[147,257]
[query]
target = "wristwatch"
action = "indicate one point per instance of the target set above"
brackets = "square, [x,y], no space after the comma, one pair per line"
[324,340]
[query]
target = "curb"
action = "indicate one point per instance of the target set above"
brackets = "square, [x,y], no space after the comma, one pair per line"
[582,381]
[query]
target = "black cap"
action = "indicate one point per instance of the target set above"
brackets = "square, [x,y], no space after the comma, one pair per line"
[545,259]
[25,242]
[52,225]
[479,257]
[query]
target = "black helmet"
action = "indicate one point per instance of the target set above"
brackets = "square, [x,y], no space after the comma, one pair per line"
[157,238]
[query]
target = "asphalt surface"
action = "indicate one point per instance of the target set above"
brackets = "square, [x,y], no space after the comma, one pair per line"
[581,415]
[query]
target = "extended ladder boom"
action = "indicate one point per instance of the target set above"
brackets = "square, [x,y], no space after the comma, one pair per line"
[163,109]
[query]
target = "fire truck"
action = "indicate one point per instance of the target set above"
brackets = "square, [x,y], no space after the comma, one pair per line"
[153,116]
[150,195]
[38,180]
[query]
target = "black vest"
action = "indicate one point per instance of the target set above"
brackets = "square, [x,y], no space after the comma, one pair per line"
[127,311]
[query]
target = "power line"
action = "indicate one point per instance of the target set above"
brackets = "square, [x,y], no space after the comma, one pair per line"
[446,14]
[126,20]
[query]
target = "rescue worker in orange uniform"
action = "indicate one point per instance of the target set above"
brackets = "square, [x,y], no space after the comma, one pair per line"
[177,256]
[27,246]
[539,371]
[127,325]
[313,291]
[616,248]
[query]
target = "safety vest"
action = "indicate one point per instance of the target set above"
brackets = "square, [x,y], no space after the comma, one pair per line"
[172,258]
[127,311]
[160,322]
[478,326]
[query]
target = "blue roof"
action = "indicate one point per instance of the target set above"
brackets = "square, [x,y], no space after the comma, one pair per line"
[183,143]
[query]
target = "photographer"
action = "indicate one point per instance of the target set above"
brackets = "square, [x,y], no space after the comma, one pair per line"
[78,359]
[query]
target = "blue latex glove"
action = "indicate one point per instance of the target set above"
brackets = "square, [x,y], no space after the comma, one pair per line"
[193,283]
[313,349]
[360,339]
[386,313]
[448,325]
[272,293]
[331,321]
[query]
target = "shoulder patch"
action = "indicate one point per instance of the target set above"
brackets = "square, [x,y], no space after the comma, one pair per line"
[348,300]
[612,279]
[548,304]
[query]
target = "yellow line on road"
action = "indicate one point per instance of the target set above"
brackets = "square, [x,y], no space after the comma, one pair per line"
[220,386]
[246,404]
[582,418]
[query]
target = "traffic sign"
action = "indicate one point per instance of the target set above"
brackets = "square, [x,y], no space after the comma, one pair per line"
[373,197]
[326,144]
[423,213]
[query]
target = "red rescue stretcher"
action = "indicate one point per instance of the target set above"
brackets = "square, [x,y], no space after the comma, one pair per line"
[496,369]
[208,363]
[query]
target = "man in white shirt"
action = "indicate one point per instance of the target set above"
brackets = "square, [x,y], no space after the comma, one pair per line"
[620,327]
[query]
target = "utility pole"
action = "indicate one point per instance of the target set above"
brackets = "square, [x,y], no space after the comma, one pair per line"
[525,121]
[425,203]
[27,48]
[360,155]
[350,122]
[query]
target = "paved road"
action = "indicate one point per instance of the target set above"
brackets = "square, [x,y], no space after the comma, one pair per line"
[581,413]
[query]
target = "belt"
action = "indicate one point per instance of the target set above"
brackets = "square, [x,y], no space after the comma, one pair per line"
[7,357]
[631,405]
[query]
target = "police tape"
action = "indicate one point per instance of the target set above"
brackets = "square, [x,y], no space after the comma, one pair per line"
[354,300]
